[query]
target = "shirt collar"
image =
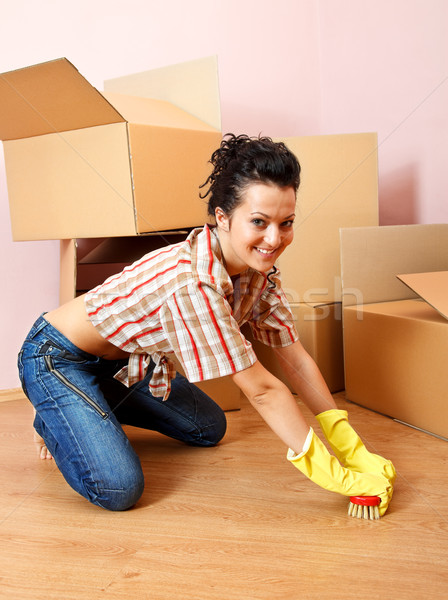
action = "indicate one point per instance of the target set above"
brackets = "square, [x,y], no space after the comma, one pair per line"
[207,260]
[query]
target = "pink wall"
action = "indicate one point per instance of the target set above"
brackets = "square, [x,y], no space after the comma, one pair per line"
[293,67]
[384,68]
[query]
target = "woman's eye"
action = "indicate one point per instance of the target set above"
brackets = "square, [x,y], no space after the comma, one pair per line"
[287,223]
[257,222]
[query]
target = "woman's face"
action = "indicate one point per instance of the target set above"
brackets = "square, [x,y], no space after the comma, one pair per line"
[259,229]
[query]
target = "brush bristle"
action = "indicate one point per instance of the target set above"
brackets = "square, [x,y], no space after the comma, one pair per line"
[364,508]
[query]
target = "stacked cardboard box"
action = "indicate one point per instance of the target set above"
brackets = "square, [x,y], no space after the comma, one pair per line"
[395,314]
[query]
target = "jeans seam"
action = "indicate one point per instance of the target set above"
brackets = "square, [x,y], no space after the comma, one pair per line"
[191,421]
[21,371]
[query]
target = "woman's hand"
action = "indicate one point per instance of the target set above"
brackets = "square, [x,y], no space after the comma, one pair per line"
[316,463]
[349,448]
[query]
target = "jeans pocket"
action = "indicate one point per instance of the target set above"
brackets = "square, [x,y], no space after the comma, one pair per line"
[51,348]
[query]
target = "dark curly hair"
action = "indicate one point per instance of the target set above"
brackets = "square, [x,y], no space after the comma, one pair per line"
[242,160]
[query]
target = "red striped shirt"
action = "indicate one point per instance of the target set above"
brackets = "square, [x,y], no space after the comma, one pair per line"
[180,300]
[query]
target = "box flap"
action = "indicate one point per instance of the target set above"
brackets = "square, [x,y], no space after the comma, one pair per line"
[432,287]
[158,113]
[192,86]
[49,98]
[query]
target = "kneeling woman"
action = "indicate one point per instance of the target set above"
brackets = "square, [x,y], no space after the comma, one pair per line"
[103,359]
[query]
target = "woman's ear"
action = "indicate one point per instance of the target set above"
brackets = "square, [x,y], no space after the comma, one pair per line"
[222,220]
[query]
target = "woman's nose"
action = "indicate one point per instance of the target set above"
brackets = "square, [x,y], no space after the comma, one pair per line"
[272,236]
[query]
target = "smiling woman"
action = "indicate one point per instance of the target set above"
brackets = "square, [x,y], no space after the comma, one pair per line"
[104,359]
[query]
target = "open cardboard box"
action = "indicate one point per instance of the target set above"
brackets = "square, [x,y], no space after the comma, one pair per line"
[395,319]
[81,163]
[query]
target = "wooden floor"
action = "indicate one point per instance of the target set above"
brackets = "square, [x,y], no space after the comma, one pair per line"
[232,522]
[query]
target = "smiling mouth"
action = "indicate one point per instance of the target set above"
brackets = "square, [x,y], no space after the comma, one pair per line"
[265,252]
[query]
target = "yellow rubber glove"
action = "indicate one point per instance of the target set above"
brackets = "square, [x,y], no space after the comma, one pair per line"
[324,469]
[349,448]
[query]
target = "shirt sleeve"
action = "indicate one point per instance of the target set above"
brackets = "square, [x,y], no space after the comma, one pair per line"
[273,321]
[198,324]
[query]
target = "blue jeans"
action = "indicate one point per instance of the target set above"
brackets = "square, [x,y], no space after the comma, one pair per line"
[80,408]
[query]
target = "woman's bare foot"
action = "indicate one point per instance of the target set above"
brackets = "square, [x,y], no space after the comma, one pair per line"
[42,449]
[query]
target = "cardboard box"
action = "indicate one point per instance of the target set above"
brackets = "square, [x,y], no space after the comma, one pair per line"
[339,188]
[320,331]
[83,164]
[396,340]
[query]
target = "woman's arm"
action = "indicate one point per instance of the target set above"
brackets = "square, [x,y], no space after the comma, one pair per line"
[275,403]
[305,377]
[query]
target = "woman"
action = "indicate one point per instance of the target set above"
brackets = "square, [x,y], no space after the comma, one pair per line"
[103,359]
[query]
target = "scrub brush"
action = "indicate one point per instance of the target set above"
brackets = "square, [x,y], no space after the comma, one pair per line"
[364,507]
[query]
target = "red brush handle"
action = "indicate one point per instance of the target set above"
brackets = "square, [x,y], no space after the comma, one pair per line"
[365,500]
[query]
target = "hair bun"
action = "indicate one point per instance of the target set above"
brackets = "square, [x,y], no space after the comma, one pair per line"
[240,161]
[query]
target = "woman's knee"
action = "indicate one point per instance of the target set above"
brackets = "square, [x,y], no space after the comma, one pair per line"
[212,433]
[116,495]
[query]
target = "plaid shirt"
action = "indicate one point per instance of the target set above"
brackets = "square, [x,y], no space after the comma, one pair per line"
[180,299]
